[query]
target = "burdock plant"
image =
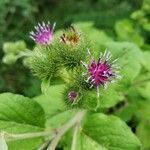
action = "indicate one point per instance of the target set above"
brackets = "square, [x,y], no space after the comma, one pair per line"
[69,60]
[70,52]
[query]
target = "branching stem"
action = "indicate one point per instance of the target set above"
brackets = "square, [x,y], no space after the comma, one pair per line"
[76,119]
[13,137]
[74,139]
[54,135]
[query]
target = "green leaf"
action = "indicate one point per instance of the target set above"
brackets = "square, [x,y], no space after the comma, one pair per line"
[96,36]
[143,132]
[14,47]
[146,26]
[19,114]
[143,111]
[21,109]
[60,118]
[139,14]
[145,60]
[52,102]
[127,112]
[127,32]
[110,132]
[85,142]
[9,59]
[110,97]
[130,57]
[145,90]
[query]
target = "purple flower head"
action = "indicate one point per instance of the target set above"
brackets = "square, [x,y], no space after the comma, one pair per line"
[72,95]
[101,71]
[43,33]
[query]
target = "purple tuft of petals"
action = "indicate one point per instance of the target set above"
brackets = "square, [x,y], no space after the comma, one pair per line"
[43,33]
[101,71]
[72,95]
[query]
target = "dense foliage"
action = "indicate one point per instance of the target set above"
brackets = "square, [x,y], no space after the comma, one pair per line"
[61,102]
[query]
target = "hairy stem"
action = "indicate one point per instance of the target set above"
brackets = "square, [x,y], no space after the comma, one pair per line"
[13,137]
[74,139]
[44,145]
[76,119]
[98,94]
[53,135]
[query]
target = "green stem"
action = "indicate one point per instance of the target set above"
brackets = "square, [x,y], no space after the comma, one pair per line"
[13,137]
[74,139]
[44,145]
[53,135]
[25,53]
[76,119]
[98,104]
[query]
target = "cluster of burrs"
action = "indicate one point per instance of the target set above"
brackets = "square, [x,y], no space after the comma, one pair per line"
[98,72]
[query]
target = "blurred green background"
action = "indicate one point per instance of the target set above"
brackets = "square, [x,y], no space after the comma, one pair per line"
[121,20]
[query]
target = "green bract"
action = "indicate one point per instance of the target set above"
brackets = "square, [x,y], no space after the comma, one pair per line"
[72,48]
[44,62]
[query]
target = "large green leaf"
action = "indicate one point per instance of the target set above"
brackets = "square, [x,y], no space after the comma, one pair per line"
[83,142]
[110,132]
[19,114]
[130,57]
